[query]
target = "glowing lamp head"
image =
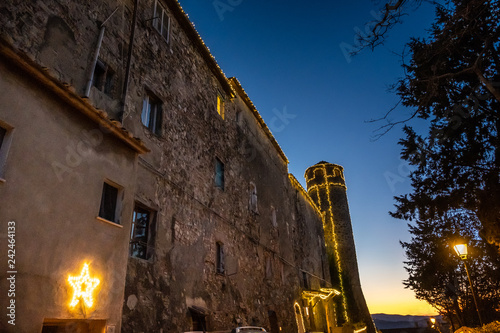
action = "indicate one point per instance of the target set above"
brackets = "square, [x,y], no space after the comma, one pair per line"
[433,320]
[461,250]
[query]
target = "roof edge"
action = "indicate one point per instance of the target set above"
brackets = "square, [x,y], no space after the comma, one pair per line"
[248,102]
[301,189]
[195,37]
[41,75]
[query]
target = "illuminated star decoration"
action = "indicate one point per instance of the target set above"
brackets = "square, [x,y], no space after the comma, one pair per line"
[83,286]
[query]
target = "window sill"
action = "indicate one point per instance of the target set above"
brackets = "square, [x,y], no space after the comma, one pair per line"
[109,222]
[146,261]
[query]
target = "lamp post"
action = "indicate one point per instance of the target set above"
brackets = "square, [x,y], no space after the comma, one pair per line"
[461,250]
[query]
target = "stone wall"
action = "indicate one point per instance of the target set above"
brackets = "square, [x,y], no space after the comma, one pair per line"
[271,233]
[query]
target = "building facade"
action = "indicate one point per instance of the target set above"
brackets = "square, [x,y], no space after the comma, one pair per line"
[147,193]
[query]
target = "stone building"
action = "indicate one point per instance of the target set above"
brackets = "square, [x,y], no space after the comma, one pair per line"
[130,160]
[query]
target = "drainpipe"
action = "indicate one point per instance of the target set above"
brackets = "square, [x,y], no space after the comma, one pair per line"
[96,56]
[129,62]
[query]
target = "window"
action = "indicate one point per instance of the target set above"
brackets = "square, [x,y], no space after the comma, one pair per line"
[252,203]
[274,221]
[161,21]
[220,105]
[109,203]
[103,78]
[305,280]
[219,174]
[151,116]
[142,234]
[5,140]
[3,132]
[219,261]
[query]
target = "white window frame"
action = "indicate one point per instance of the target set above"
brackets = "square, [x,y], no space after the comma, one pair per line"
[159,17]
[154,125]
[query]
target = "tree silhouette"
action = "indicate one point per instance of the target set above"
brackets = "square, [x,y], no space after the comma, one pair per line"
[436,274]
[452,81]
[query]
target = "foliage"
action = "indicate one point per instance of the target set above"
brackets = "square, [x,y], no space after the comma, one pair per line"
[493,327]
[437,276]
[453,82]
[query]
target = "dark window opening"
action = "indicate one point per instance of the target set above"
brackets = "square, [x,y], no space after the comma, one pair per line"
[220,260]
[219,174]
[103,78]
[305,281]
[199,322]
[109,200]
[3,131]
[151,116]
[109,82]
[142,234]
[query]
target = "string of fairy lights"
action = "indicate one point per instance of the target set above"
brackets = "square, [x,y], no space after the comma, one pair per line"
[315,189]
[83,287]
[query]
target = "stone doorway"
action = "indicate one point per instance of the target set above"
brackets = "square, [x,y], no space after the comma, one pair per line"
[73,326]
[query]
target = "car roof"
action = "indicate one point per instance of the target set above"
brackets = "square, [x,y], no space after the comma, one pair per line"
[250,328]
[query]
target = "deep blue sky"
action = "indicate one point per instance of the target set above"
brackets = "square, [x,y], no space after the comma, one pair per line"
[288,57]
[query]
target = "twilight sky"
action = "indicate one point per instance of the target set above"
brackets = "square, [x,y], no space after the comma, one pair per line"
[316,100]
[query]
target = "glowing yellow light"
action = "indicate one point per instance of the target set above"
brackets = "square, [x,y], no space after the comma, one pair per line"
[220,106]
[80,291]
[323,293]
[335,243]
[461,250]
[360,330]
[298,313]
[433,321]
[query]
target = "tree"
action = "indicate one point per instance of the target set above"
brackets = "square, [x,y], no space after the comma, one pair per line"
[453,82]
[436,274]
[388,16]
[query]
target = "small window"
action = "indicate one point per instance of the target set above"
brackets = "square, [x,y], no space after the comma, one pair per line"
[161,21]
[220,260]
[274,220]
[151,116]
[3,132]
[305,280]
[252,204]
[109,203]
[269,268]
[142,234]
[103,78]
[5,139]
[220,105]
[219,174]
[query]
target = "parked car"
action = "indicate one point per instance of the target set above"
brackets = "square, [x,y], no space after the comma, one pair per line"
[248,329]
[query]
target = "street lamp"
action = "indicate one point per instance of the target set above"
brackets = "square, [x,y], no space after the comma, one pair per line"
[461,250]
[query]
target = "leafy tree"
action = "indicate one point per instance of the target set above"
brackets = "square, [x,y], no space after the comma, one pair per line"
[452,81]
[437,276]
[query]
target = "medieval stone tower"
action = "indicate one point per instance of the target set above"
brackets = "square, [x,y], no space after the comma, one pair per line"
[326,187]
